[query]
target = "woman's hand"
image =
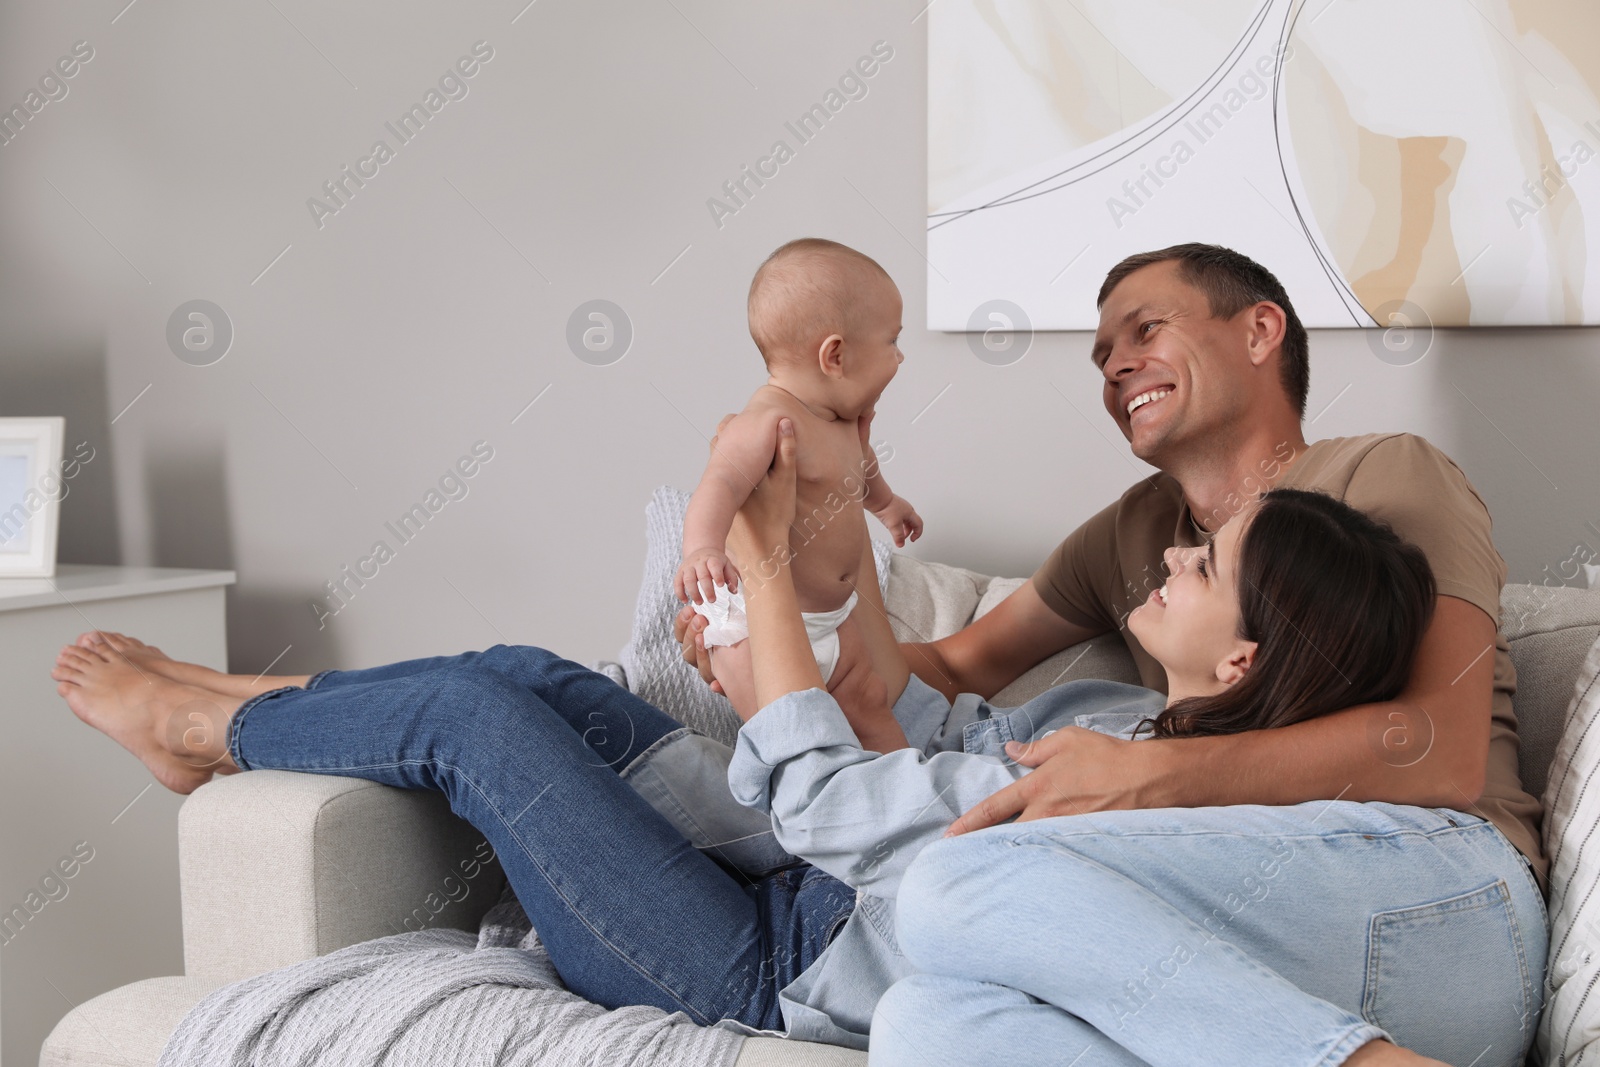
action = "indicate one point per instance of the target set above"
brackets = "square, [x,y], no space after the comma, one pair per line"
[687,627]
[759,539]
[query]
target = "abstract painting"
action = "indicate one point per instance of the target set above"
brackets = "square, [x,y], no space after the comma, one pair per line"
[1426,160]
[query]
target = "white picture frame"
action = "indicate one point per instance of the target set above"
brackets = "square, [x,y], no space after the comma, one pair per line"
[31,489]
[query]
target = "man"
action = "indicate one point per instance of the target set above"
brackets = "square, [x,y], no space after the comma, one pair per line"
[1206,371]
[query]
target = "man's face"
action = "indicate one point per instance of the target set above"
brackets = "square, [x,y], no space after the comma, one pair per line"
[1183,373]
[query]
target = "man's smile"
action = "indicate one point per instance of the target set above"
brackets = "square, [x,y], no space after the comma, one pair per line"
[1149,396]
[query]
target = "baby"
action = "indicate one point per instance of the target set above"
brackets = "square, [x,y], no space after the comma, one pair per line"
[826,319]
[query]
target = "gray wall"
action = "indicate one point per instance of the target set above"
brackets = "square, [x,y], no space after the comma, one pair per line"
[429,311]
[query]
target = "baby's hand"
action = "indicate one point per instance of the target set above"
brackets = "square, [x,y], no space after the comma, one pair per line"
[700,569]
[901,520]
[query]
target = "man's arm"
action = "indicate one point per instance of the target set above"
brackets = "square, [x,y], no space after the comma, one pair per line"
[1428,747]
[990,654]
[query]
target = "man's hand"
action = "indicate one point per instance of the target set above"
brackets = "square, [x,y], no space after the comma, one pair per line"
[1088,771]
[900,519]
[1356,754]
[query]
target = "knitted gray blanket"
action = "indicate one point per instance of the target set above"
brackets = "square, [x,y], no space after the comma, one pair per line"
[435,997]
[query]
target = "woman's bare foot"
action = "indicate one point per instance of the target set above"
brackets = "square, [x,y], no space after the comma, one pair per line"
[177,730]
[1381,1053]
[152,660]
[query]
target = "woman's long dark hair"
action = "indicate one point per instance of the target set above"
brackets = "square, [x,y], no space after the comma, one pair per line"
[1336,603]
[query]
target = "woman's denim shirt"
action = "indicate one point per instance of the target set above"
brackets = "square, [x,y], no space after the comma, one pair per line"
[798,784]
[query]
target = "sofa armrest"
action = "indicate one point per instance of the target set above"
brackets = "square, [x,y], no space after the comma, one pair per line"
[279,866]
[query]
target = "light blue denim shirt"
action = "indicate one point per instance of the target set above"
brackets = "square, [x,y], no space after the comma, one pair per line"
[806,789]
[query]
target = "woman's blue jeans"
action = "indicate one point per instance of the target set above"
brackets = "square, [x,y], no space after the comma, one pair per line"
[1218,937]
[527,747]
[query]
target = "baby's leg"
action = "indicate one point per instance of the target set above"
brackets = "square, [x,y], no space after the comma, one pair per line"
[862,694]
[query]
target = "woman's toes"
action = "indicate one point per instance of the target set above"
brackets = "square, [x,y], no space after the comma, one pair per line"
[129,646]
[83,657]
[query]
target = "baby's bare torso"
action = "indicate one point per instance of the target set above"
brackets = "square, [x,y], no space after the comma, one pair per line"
[830,528]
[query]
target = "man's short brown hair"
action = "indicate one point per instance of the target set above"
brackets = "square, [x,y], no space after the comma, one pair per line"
[1231,282]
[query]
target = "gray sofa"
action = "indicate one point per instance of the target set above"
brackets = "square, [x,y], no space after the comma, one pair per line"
[279,867]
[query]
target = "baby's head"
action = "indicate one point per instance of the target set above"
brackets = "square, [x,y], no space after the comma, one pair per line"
[823,314]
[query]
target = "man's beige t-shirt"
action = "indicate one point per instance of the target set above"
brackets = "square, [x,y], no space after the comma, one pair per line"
[1108,566]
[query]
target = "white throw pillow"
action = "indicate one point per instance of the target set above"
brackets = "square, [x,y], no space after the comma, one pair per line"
[1570,1025]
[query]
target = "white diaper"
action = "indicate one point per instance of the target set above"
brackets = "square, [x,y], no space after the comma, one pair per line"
[726,625]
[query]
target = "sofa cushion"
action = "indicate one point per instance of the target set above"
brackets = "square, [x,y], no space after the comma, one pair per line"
[927,601]
[782,1052]
[1549,629]
[127,1027]
[1570,1024]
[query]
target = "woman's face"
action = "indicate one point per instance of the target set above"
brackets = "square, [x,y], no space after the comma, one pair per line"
[1191,624]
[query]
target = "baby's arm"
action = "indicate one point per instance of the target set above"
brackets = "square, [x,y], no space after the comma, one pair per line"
[858,815]
[878,493]
[740,457]
[897,516]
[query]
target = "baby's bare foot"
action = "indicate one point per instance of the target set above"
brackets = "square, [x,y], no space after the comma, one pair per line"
[152,660]
[177,730]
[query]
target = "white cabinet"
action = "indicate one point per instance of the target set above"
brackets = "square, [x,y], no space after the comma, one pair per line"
[88,839]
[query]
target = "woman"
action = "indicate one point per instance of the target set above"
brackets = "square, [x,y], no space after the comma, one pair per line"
[529,748]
